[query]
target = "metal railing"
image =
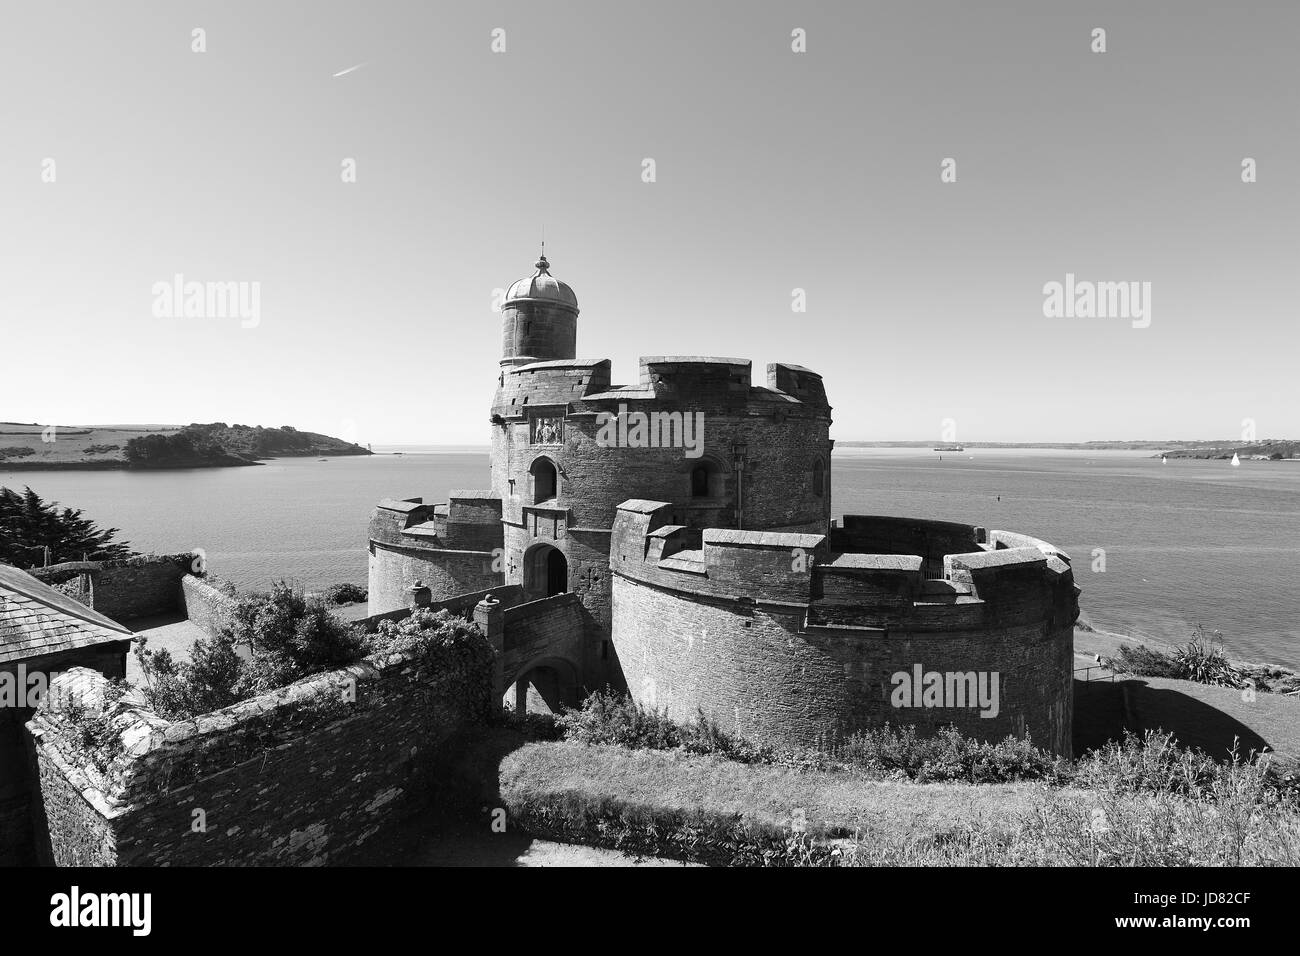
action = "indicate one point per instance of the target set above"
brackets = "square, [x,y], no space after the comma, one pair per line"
[1087,672]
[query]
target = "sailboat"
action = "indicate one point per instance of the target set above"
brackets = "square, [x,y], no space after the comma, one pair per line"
[1164,459]
[1236,461]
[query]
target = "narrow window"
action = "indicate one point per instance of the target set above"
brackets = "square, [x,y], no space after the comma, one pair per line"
[700,482]
[543,481]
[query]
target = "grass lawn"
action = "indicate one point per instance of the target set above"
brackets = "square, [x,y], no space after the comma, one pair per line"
[1208,717]
[709,809]
[1199,715]
[765,795]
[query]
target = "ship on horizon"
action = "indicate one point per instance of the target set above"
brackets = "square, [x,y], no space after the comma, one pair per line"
[949,448]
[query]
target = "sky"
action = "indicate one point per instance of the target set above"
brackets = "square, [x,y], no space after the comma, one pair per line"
[774,171]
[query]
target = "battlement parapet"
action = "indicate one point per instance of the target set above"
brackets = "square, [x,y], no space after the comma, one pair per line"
[880,589]
[554,383]
[695,374]
[797,381]
[392,516]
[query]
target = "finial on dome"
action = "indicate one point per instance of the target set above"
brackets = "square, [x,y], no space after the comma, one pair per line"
[541,265]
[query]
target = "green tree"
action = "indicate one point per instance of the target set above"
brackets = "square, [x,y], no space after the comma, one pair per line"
[28,525]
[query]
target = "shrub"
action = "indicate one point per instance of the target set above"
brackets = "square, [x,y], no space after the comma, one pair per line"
[345,594]
[288,637]
[458,658]
[947,756]
[213,678]
[607,717]
[1202,660]
[615,719]
[1142,662]
[421,630]
[292,636]
[1152,803]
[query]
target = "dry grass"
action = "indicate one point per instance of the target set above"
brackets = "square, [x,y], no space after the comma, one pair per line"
[767,795]
[710,808]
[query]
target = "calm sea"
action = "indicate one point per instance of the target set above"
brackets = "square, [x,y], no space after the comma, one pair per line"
[1184,543]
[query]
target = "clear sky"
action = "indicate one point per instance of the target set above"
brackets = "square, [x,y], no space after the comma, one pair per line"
[775,171]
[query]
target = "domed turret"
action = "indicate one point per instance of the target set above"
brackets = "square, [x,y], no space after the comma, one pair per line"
[540,319]
[541,286]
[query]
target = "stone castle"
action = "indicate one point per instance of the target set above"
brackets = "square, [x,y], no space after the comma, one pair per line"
[674,537]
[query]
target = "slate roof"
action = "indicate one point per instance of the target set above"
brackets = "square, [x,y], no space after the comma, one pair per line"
[36,620]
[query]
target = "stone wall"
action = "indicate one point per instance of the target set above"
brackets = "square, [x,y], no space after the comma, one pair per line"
[300,776]
[127,588]
[462,605]
[394,569]
[206,606]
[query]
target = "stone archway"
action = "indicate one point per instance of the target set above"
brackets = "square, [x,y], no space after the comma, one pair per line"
[546,572]
[549,685]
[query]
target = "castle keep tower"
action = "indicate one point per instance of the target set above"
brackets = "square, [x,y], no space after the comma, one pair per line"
[568,447]
[539,319]
[673,536]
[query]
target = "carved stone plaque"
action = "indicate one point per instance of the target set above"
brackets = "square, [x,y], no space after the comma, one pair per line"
[548,430]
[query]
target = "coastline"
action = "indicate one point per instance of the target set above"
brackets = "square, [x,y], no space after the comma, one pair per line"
[119,464]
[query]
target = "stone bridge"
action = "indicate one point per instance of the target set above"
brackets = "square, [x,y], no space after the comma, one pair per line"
[539,646]
[539,643]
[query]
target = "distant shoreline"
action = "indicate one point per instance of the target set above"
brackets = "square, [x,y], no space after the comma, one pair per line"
[1173,447]
[36,447]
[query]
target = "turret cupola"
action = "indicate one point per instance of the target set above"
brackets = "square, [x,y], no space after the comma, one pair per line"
[540,318]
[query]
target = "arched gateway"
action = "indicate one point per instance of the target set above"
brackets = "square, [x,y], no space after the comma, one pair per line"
[546,571]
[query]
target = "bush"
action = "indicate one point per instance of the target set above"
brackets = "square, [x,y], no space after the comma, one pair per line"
[292,636]
[456,657]
[1152,803]
[948,756]
[1142,662]
[288,637]
[610,718]
[1155,763]
[345,594]
[615,719]
[213,678]
[423,630]
[1201,660]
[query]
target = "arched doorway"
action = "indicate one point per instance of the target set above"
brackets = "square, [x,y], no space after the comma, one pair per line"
[546,572]
[544,480]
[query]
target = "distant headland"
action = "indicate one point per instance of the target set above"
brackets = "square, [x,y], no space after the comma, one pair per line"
[33,446]
[1272,448]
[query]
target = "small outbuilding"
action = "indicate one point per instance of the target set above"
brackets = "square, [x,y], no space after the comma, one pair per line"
[43,632]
